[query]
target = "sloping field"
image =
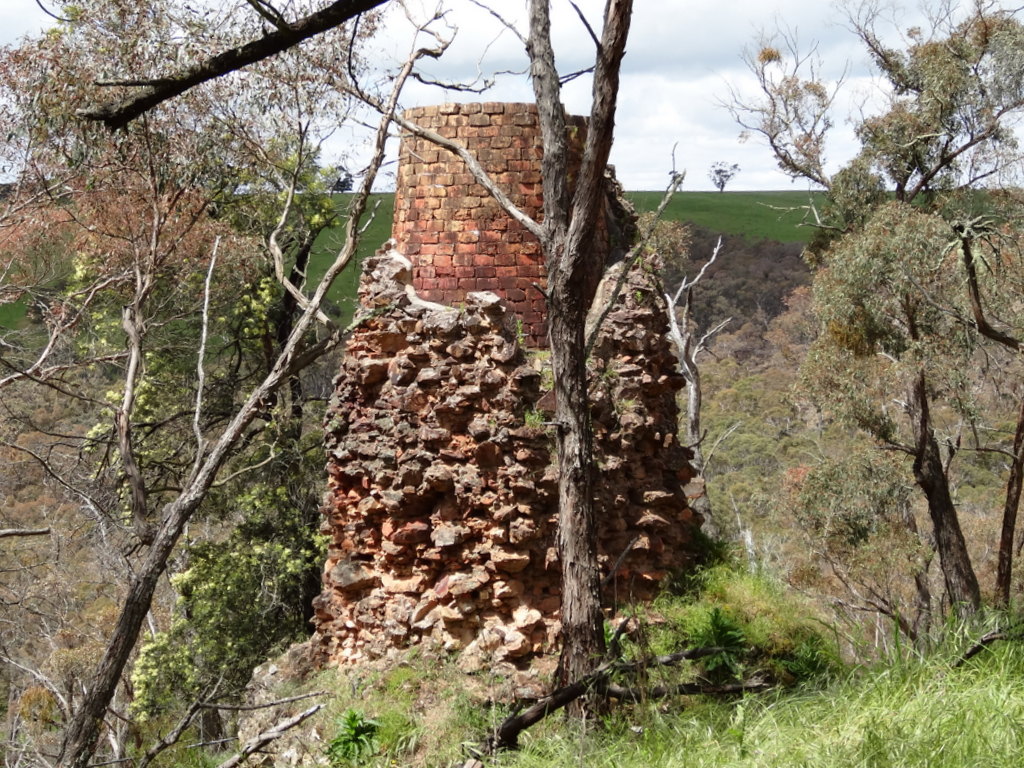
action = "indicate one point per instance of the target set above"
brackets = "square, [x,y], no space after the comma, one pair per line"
[755,215]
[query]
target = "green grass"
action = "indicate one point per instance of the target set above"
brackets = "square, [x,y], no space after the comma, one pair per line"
[908,711]
[905,714]
[755,215]
[327,245]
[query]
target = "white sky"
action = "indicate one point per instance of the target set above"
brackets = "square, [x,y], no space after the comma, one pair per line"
[681,58]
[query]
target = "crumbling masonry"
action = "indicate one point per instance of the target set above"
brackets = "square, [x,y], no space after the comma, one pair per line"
[442,485]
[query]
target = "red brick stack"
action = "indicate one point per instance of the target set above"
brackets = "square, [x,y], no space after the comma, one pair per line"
[457,237]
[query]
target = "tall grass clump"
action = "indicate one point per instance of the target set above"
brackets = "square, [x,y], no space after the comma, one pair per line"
[762,627]
[907,713]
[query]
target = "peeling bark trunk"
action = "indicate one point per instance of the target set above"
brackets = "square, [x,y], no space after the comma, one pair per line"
[582,618]
[573,274]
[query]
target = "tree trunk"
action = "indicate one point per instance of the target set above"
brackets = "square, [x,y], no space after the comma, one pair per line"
[682,333]
[582,618]
[961,583]
[702,503]
[922,619]
[573,274]
[1004,572]
[83,731]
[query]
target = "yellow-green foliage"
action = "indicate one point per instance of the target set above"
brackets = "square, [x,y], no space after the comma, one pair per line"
[240,600]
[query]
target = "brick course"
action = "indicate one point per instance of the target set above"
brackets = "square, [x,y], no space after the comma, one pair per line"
[457,237]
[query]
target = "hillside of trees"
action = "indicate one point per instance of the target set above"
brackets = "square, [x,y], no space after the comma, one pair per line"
[172,316]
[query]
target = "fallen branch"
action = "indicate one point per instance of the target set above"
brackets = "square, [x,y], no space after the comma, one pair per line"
[685,689]
[982,643]
[257,743]
[506,735]
[8,532]
[251,707]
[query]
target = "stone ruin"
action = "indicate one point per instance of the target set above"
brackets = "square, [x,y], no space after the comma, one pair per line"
[442,488]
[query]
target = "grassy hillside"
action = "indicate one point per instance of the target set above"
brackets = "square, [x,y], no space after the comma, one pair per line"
[327,245]
[907,710]
[754,215]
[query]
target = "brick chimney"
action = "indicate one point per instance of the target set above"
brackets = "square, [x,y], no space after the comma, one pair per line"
[457,237]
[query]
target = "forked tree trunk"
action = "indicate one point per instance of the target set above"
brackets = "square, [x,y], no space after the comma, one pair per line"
[961,582]
[570,220]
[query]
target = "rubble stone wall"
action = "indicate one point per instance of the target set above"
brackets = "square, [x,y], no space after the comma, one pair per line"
[442,484]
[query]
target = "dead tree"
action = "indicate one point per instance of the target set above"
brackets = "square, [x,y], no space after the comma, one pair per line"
[689,347]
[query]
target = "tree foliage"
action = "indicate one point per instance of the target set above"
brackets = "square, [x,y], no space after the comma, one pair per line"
[907,352]
[163,272]
[721,173]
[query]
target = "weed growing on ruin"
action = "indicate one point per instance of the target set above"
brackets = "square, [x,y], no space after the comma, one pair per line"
[533,419]
[356,739]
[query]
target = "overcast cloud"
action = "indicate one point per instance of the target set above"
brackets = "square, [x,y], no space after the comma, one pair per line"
[682,59]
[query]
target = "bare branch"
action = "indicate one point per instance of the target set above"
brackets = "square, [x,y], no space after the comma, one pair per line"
[633,256]
[172,736]
[504,22]
[966,234]
[261,740]
[793,109]
[50,13]
[200,358]
[268,705]
[13,532]
[275,247]
[590,29]
[119,114]
[721,439]
[270,13]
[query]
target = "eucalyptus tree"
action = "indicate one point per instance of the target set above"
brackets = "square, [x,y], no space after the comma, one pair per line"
[566,236]
[914,251]
[174,315]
